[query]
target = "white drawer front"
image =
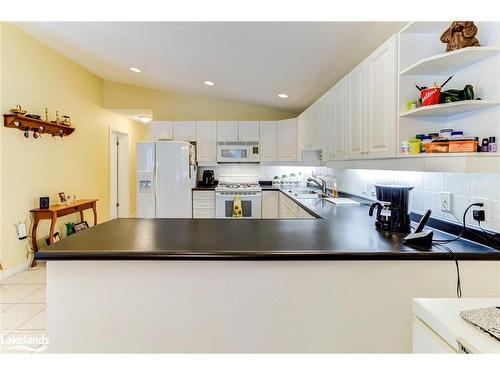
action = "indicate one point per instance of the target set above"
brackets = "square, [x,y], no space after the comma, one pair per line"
[204,204]
[204,214]
[197,194]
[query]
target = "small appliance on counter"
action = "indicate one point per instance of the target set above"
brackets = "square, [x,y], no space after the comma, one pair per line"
[392,208]
[208,178]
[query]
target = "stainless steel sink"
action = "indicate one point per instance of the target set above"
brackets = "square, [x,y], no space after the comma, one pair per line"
[310,196]
[307,194]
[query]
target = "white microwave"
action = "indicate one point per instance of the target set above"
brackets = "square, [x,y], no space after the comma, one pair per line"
[240,152]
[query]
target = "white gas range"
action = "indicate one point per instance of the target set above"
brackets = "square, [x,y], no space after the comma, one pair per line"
[244,186]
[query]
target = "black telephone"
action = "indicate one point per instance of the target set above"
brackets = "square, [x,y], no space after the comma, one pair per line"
[420,237]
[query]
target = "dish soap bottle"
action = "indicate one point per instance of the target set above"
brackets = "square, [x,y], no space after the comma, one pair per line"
[335,190]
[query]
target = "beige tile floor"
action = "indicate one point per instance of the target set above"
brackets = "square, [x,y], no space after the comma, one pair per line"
[22,311]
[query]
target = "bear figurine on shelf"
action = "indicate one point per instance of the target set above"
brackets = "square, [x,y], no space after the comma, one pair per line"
[460,34]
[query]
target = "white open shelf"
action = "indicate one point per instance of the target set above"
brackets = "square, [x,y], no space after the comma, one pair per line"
[428,27]
[450,62]
[449,109]
[450,154]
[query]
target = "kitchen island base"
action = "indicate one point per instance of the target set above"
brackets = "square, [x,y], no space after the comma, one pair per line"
[247,306]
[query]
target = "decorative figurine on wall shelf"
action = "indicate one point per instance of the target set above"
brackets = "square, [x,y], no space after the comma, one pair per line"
[460,34]
[66,120]
[58,119]
[46,114]
[19,110]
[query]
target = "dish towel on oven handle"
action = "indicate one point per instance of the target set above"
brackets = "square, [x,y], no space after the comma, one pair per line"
[237,207]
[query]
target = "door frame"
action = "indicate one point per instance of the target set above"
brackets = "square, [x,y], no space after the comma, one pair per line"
[122,174]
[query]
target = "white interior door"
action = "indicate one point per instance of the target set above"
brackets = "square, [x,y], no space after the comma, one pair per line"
[119,169]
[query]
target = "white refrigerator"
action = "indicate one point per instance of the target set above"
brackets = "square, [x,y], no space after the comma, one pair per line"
[166,173]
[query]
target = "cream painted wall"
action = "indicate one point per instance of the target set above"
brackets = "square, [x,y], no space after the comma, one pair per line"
[36,76]
[177,106]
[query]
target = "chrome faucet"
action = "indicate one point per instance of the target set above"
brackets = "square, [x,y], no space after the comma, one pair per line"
[321,185]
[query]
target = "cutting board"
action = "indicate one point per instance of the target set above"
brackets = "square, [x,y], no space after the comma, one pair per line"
[343,201]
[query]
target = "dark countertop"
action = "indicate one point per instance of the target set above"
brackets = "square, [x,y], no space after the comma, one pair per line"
[341,233]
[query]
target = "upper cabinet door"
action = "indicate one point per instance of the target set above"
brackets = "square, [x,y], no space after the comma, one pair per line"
[381,100]
[206,143]
[248,131]
[185,131]
[341,112]
[356,114]
[160,130]
[268,141]
[227,131]
[286,131]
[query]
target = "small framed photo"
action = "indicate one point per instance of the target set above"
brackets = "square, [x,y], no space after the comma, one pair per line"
[62,197]
[78,227]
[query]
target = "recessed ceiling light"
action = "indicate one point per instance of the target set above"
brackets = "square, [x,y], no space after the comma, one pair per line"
[283,96]
[136,70]
[145,119]
[208,83]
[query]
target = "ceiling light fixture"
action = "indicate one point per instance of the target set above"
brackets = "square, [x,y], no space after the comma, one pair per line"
[135,70]
[209,83]
[145,119]
[283,96]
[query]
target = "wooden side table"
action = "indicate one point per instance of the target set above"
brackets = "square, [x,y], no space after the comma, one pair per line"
[56,211]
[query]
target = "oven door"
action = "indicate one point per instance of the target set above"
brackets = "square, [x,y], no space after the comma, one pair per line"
[250,204]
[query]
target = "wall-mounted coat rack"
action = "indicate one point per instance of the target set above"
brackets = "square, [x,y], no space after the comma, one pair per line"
[27,124]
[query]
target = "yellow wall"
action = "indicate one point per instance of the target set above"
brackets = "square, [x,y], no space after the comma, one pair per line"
[167,105]
[36,76]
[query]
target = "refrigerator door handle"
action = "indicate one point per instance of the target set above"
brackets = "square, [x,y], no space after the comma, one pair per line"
[156,187]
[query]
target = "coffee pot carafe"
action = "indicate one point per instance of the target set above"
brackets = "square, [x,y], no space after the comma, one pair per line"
[392,208]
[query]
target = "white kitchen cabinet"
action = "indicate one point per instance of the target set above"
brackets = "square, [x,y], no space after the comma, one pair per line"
[288,209]
[339,114]
[372,106]
[238,131]
[227,131]
[355,123]
[185,131]
[161,130]
[206,141]
[268,139]
[203,204]
[381,101]
[309,127]
[270,204]
[286,131]
[248,131]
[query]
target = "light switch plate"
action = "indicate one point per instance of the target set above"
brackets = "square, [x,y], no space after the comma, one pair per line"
[21,231]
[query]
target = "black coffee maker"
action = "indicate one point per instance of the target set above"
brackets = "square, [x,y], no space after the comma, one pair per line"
[392,208]
[208,177]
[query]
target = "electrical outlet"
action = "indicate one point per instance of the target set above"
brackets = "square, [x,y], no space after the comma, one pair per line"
[445,201]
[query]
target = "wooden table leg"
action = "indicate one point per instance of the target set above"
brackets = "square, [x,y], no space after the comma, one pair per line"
[33,239]
[52,228]
[94,209]
[81,216]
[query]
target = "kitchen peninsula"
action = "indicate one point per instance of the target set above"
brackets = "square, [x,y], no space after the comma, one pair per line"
[332,284]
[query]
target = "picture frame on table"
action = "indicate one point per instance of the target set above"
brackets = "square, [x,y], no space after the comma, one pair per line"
[78,227]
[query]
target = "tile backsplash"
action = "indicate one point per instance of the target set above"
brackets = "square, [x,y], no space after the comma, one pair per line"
[264,172]
[465,188]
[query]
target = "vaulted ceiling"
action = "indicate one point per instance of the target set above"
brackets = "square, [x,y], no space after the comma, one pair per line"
[250,62]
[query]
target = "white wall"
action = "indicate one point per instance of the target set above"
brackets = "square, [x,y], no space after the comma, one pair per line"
[465,188]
